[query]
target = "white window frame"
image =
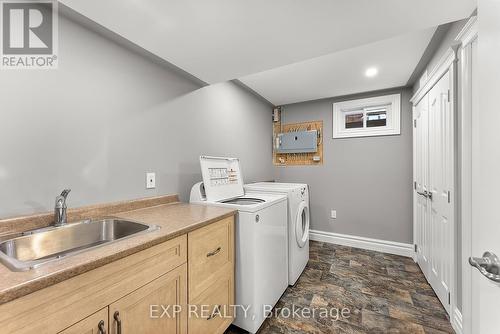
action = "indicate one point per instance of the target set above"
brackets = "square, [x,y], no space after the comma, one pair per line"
[393,120]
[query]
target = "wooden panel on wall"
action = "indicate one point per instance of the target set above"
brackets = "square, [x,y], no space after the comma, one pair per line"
[298,159]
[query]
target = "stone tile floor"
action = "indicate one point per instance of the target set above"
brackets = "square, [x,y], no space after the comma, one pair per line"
[384,293]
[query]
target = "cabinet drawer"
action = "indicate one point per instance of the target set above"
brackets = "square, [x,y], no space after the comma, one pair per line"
[210,255]
[212,311]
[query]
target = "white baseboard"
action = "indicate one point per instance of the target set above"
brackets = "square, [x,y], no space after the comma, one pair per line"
[456,321]
[384,246]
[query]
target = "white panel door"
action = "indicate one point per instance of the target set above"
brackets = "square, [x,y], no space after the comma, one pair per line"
[441,179]
[421,172]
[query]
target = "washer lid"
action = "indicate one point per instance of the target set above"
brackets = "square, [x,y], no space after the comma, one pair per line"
[221,177]
[243,201]
[274,186]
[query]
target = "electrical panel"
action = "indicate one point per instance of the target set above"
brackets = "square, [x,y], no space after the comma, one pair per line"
[297,142]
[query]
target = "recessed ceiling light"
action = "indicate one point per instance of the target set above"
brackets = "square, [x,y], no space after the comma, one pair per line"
[371,72]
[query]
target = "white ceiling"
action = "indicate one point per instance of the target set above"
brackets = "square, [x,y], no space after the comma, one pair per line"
[343,72]
[218,40]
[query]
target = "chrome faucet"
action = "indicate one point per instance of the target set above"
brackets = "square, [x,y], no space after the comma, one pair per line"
[60,218]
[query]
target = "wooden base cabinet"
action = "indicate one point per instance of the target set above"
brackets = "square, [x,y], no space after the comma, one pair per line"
[145,293]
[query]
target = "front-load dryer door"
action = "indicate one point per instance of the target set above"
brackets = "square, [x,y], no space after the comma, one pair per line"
[302,224]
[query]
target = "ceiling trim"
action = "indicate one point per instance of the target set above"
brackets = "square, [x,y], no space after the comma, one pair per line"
[437,73]
[468,32]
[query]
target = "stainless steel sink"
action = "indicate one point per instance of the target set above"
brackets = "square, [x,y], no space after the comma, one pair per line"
[34,248]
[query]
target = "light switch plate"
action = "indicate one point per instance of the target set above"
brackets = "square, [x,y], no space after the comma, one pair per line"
[150,180]
[333,214]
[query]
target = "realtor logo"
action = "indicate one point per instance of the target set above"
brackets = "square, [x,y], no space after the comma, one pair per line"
[29,34]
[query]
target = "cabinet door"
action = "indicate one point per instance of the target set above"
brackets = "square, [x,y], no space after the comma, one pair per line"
[151,309]
[210,255]
[212,311]
[97,323]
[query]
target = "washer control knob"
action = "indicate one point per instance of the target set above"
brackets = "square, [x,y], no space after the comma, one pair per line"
[257,218]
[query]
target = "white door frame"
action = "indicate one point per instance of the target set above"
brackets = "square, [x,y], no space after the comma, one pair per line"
[466,37]
[447,63]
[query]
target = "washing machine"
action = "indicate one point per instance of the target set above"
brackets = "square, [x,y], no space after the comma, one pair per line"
[298,222]
[261,257]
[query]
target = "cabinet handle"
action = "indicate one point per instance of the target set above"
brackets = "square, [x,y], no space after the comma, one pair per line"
[118,321]
[214,313]
[102,330]
[214,252]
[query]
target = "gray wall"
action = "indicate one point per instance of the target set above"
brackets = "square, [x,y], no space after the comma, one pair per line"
[107,116]
[367,180]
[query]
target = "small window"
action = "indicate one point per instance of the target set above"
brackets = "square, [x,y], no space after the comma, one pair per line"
[377,116]
[354,120]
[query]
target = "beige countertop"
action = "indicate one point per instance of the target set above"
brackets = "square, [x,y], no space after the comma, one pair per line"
[174,218]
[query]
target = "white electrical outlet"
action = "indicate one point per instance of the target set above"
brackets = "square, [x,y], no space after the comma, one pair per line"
[333,214]
[150,180]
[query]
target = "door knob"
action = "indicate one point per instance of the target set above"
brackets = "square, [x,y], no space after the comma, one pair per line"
[429,195]
[488,265]
[426,194]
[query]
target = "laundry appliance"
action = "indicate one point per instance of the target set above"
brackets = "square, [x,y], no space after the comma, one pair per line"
[261,257]
[298,222]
